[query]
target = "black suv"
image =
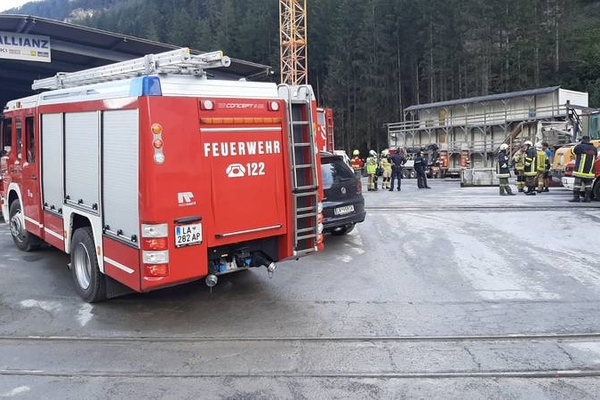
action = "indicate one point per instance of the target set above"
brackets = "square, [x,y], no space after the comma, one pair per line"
[343,203]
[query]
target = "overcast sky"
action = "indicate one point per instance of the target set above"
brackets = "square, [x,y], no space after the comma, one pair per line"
[6,4]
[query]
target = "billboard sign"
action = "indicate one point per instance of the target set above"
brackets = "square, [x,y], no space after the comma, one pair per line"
[15,46]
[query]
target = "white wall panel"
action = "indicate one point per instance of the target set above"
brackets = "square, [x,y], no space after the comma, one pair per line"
[576,98]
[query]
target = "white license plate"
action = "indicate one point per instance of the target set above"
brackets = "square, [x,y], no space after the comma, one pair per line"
[344,210]
[186,235]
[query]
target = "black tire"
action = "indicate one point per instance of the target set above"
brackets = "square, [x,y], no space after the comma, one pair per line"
[24,240]
[404,174]
[413,174]
[89,282]
[596,190]
[342,230]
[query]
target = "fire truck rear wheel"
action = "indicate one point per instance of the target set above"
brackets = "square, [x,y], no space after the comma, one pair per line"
[596,190]
[24,240]
[89,281]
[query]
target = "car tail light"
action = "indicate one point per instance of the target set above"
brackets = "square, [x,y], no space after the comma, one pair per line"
[155,250]
[158,143]
[155,257]
[156,271]
[359,187]
[155,230]
[155,243]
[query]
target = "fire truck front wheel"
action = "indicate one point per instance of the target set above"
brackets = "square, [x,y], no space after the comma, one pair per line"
[89,281]
[23,240]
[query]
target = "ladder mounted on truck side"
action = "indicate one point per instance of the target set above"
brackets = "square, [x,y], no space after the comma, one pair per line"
[176,61]
[305,177]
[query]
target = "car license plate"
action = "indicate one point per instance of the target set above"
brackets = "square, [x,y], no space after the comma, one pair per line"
[187,235]
[344,210]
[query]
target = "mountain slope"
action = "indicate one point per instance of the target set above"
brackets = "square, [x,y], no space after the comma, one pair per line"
[63,10]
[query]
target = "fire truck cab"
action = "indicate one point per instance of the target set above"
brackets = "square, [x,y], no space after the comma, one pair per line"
[150,174]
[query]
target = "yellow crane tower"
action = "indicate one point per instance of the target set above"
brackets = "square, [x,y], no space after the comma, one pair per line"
[292,42]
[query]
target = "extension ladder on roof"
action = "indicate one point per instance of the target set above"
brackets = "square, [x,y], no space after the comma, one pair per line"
[175,61]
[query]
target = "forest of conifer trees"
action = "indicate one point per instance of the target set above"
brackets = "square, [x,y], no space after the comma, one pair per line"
[370,59]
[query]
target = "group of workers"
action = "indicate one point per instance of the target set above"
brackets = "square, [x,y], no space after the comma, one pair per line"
[389,166]
[532,168]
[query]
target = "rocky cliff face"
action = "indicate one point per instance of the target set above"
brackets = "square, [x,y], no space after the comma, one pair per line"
[63,10]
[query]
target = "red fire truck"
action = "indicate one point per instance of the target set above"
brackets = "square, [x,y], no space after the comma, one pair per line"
[150,174]
[325,137]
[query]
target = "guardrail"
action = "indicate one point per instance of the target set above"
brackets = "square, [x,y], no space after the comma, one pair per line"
[476,120]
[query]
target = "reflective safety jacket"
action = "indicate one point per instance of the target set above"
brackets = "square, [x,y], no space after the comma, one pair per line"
[530,164]
[356,163]
[519,160]
[585,159]
[371,165]
[386,164]
[541,159]
[503,170]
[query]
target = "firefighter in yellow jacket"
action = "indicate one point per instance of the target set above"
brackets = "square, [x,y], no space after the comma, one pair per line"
[371,167]
[585,158]
[503,171]
[518,161]
[386,166]
[531,171]
[543,165]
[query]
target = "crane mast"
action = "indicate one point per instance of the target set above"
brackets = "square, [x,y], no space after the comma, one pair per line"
[292,42]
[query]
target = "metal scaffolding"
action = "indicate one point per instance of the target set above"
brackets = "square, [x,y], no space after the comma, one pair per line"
[479,127]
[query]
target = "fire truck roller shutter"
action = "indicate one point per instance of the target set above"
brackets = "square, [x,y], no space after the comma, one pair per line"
[82,175]
[120,160]
[52,161]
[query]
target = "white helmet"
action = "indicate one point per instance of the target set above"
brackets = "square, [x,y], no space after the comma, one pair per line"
[503,146]
[528,143]
[373,153]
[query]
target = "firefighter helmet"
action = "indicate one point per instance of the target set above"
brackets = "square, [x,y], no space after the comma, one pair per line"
[503,146]
[528,143]
[373,153]
[356,153]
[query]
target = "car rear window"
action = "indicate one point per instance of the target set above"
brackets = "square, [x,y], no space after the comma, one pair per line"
[334,171]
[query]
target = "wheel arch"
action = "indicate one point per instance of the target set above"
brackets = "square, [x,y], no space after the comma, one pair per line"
[14,193]
[75,219]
